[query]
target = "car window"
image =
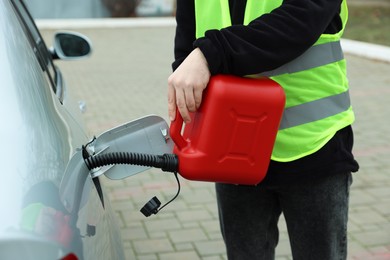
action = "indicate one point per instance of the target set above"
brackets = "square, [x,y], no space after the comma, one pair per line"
[43,56]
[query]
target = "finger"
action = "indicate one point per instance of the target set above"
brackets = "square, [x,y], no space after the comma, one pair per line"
[190,99]
[182,107]
[198,97]
[184,114]
[171,102]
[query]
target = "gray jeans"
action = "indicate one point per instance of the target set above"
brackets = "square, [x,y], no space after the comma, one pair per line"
[316,214]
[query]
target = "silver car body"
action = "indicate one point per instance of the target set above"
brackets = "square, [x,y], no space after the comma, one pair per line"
[40,131]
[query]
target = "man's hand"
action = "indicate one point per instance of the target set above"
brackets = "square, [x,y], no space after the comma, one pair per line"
[186,85]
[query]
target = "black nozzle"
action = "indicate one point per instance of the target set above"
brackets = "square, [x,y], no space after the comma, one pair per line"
[151,207]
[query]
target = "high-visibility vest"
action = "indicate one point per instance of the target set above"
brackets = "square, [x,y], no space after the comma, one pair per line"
[315,83]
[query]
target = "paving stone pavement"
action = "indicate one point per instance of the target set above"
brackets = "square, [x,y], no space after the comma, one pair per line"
[126,78]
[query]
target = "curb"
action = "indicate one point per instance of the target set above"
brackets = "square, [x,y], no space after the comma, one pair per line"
[105,23]
[356,48]
[366,50]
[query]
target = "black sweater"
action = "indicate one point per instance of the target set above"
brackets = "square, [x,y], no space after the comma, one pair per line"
[265,44]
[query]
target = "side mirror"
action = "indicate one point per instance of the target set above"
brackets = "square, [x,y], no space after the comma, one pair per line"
[70,46]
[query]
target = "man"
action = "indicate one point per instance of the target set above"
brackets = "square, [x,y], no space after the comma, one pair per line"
[296,43]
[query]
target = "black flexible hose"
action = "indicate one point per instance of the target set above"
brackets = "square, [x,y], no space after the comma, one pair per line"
[166,162]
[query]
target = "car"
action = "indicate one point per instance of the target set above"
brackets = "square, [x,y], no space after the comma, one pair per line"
[53,206]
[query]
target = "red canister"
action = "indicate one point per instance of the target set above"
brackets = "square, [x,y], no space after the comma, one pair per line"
[231,136]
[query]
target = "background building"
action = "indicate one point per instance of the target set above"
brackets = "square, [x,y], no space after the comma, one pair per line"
[71,9]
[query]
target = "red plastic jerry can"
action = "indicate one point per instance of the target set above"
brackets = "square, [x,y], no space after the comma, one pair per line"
[231,136]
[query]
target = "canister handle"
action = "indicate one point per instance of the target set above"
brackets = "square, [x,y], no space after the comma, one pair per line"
[175,131]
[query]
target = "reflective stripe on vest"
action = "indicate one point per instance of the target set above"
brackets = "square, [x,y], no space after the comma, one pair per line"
[315,56]
[315,110]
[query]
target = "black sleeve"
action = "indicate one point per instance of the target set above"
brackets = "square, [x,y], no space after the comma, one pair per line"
[185,30]
[265,44]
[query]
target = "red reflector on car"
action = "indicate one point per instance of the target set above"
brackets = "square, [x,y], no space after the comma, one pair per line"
[70,256]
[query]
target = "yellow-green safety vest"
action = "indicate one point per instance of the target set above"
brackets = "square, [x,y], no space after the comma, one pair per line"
[315,83]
